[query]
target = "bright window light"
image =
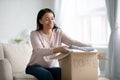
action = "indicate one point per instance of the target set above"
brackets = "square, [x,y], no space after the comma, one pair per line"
[85,21]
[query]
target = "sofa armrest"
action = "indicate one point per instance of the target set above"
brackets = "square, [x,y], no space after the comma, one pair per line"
[5,70]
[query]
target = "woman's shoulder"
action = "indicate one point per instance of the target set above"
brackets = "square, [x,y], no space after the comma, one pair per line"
[34,32]
[58,30]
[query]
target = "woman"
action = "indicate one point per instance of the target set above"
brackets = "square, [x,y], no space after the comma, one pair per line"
[46,42]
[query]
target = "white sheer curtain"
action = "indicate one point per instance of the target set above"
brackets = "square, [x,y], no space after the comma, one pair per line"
[82,19]
[57,7]
[113,62]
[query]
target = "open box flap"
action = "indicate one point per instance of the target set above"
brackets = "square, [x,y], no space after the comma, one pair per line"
[101,57]
[63,55]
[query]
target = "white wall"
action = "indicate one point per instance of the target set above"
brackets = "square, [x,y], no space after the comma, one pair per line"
[18,15]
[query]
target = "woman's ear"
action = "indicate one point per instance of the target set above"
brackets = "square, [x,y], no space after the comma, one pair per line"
[40,21]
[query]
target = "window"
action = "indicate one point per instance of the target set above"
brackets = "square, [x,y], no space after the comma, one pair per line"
[85,21]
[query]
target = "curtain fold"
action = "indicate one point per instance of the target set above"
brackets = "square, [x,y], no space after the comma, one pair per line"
[112,70]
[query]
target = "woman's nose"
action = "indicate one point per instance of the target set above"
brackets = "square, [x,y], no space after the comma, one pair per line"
[50,20]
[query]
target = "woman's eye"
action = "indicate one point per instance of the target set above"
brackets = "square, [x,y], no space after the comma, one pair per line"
[47,19]
[52,18]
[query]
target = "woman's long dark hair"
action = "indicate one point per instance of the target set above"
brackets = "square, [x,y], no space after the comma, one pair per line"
[41,13]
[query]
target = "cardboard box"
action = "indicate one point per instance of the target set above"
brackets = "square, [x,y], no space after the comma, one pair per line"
[79,65]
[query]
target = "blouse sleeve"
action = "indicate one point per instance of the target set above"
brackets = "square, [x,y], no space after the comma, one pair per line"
[68,41]
[38,46]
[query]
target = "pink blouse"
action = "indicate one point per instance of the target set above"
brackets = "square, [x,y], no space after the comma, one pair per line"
[43,48]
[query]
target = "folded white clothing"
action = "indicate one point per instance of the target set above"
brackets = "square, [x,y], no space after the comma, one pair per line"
[86,49]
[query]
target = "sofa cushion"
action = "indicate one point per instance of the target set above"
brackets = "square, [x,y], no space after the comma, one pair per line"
[18,55]
[23,76]
[5,70]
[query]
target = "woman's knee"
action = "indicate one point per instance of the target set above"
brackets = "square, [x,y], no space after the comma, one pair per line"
[39,72]
[56,73]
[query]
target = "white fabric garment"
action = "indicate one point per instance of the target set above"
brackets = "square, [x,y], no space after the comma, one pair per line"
[43,48]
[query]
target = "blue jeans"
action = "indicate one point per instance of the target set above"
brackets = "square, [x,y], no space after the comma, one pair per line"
[42,73]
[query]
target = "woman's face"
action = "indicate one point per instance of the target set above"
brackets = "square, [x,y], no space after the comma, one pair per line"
[48,21]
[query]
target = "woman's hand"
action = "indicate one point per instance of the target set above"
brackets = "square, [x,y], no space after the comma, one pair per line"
[62,49]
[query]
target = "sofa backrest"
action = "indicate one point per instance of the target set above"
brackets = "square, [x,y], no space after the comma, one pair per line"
[1,52]
[18,55]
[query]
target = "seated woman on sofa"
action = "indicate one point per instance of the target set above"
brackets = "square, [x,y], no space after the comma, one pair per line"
[46,41]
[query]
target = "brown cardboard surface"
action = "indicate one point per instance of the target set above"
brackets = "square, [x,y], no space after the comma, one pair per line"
[79,65]
[101,57]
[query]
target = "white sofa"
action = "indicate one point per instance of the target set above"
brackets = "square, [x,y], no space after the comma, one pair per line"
[13,61]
